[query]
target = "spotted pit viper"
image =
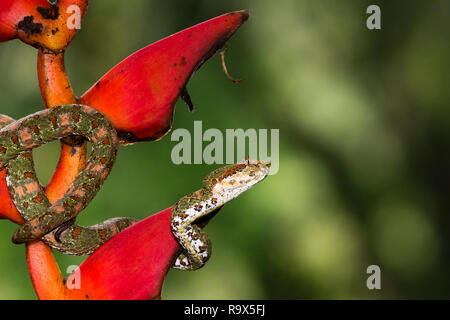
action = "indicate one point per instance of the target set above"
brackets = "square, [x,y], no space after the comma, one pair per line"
[55,223]
[191,212]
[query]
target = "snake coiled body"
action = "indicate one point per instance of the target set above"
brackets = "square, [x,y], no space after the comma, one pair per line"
[192,211]
[55,223]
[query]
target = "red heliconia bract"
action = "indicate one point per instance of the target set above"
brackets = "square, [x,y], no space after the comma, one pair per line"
[41,24]
[139,94]
[132,265]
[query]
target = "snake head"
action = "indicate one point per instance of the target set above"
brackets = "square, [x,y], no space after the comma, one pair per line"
[230,181]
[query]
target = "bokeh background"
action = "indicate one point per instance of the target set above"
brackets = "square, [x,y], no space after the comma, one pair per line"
[364,145]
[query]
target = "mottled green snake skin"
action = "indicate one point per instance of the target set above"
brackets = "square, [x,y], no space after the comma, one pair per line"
[191,212]
[55,223]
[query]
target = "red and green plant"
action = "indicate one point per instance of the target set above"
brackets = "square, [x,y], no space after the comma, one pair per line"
[138,95]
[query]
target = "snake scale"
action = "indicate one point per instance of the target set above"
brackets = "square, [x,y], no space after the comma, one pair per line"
[55,223]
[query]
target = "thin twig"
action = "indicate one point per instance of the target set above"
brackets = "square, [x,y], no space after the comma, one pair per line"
[225,70]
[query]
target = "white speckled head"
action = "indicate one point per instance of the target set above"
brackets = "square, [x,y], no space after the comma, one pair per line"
[239,178]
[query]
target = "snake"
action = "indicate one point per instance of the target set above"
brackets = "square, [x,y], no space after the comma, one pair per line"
[55,223]
[191,213]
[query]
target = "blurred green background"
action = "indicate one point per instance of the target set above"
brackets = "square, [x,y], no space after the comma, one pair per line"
[364,145]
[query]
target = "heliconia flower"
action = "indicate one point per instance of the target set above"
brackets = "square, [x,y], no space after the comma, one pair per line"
[40,23]
[130,266]
[139,94]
